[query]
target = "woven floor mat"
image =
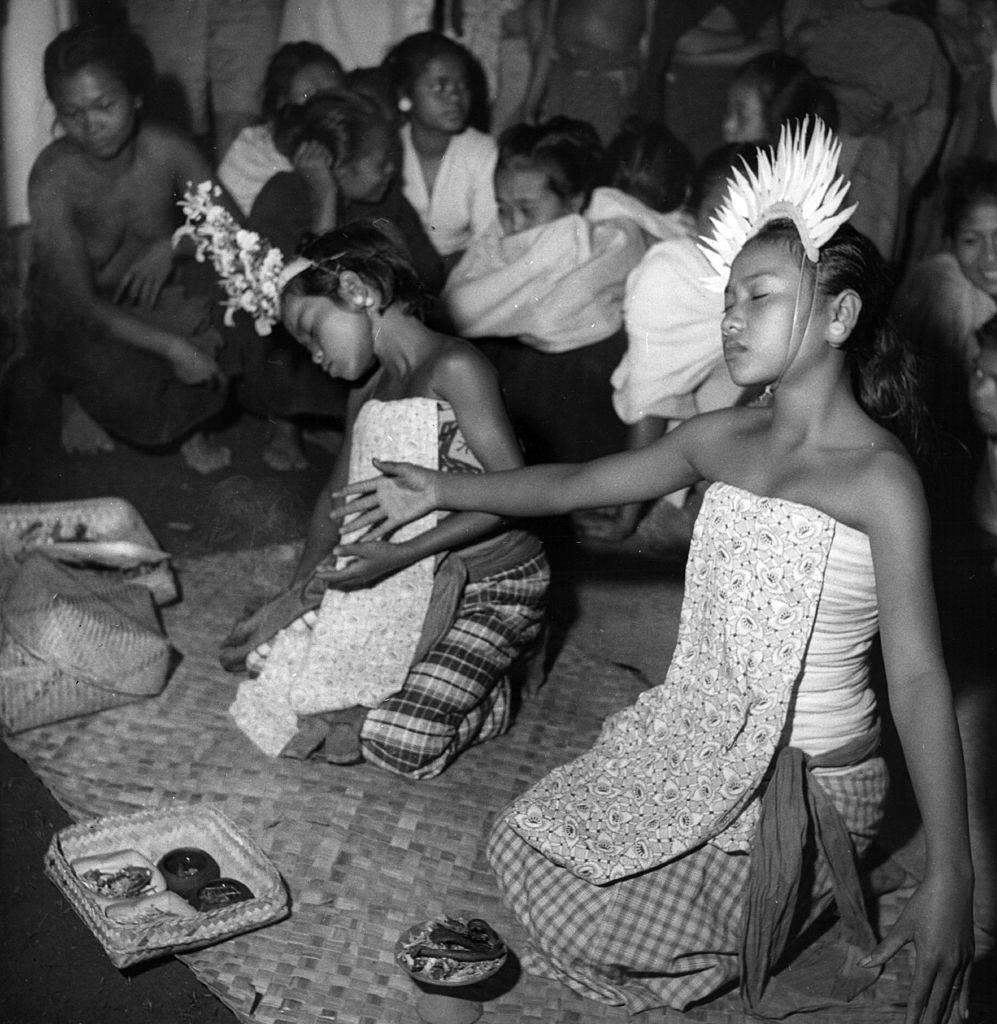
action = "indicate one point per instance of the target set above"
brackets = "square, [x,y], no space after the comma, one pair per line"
[365,854]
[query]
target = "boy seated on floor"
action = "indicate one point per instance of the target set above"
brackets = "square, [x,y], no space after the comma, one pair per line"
[119,326]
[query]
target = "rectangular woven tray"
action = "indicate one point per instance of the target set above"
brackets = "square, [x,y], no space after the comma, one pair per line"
[154,833]
[24,526]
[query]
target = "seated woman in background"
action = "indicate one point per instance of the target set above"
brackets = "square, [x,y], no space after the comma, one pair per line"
[946,298]
[296,72]
[673,367]
[542,289]
[769,90]
[447,165]
[346,167]
[345,160]
[120,328]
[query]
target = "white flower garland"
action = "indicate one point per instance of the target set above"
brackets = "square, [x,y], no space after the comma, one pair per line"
[248,266]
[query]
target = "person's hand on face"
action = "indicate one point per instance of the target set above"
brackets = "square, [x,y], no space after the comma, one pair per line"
[314,163]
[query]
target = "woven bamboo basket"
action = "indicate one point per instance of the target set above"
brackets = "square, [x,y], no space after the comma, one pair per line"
[154,833]
[27,526]
[68,648]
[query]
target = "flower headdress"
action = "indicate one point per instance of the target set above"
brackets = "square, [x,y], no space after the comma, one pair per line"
[251,270]
[796,180]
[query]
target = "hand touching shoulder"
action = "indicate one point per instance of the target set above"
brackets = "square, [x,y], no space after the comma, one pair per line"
[465,379]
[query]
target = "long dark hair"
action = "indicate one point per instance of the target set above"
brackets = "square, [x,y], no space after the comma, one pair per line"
[341,121]
[285,63]
[646,160]
[884,369]
[375,252]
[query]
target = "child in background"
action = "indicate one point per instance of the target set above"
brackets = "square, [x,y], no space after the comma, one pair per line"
[673,367]
[646,161]
[541,291]
[341,151]
[346,168]
[769,90]
[296,72]
[346,151]
[949,296]
[447,166]
[403,652]
[701,834]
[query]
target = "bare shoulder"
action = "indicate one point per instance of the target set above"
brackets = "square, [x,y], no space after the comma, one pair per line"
[161,139]
[887,494]
[172,153]
[458,365]
[731,426]
[57,166]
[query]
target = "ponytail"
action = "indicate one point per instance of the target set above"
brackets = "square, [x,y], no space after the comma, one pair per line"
[884,368]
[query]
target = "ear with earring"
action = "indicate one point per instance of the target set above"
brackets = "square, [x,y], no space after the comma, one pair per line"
[405,104]
[846,314]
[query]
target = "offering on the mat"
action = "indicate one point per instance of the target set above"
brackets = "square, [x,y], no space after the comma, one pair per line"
[154,907]
[119,875]
[115,554]
[221,892]
[451,951]
[40,532]
[186,869]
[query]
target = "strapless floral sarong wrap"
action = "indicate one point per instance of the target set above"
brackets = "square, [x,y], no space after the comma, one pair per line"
[682,765]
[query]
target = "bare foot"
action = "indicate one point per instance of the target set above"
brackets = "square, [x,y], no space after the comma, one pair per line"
[81,433]
[283,450]
[204,455]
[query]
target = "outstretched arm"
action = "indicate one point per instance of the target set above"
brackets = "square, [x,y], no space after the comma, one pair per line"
[467,381]
[407,492]
[938,917]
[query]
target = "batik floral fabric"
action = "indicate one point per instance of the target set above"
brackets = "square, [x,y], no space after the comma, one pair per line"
[682,766]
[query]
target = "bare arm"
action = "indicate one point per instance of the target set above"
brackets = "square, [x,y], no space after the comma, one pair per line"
[407,492]
[61,256]
[938,917]
[66,267]
[624,519]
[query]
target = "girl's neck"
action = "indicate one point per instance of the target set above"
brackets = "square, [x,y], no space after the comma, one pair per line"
[813,409]
[402,344]
[429,143]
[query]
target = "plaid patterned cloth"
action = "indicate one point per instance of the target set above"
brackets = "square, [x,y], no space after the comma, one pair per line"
[669,936]
[459,694]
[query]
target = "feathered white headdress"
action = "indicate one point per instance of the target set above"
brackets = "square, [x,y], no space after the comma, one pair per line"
[251,270]
[797,181]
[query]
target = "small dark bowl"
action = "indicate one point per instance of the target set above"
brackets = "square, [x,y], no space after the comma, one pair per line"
[187,869]
[221,892]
